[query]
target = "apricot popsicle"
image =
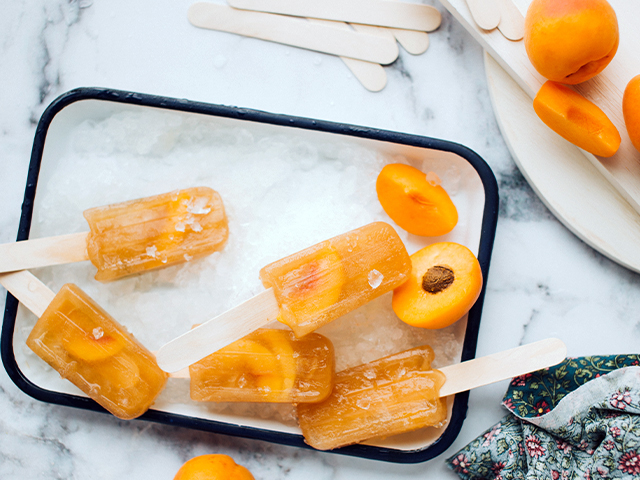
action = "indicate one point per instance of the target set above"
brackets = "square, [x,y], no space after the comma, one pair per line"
[325,281]
[268,365]
[133,236]
[154,232]
[304,291]
[395,394]
[94,352]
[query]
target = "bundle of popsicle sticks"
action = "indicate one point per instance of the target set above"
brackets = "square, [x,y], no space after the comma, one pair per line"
[363,33]
[36,296]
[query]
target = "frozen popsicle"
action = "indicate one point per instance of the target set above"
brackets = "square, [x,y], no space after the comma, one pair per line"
[86,346]
[268,365]
[401,392]
[395,394]
[305,291]
[132,237]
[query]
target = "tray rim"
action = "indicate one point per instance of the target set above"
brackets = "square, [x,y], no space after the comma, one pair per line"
[487,236]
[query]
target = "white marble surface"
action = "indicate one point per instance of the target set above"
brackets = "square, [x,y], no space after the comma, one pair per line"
[543,280]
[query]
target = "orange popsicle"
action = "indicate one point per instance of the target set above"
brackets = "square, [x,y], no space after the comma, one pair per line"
[268,365]
[392,395]
[323,282]
[94,352]
[155,232]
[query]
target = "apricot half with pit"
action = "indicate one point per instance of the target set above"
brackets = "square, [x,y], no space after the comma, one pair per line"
[417,205]
[445,282]
[570,41]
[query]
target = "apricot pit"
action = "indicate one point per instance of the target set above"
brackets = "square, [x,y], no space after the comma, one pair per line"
[445,282]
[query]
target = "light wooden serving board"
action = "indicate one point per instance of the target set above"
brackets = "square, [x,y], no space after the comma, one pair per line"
[569,185]
[605,90]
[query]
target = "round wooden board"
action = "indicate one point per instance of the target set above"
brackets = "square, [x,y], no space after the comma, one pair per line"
[566,181]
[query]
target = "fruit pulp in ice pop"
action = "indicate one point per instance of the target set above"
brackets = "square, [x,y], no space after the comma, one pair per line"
[325,281]
[154,232]
[97,354]
[392,395]
[268,365]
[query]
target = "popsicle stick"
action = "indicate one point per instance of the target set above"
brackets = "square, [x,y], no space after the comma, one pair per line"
[371,75]
[369,12]
[485,13]
[43,252]
[501,366]
[218,332]
[28,289]
[295,32]
[414,42]
[511,20]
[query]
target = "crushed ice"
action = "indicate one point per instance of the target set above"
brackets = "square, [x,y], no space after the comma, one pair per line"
[375,278]
[151,251]
[98,333]
[433,179]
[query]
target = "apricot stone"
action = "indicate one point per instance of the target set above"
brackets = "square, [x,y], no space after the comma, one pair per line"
[631,110]
[570,41]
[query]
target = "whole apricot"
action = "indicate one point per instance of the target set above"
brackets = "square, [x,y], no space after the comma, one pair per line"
[445,282]
[415,204]
[570,41]
[212,467]
[576,119]
[631,110]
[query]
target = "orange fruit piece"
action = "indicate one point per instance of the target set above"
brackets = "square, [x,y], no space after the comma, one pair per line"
[631,110]
[93,347]
[576,119]
[415,204]
[445,282]
[570,41]
[213,467]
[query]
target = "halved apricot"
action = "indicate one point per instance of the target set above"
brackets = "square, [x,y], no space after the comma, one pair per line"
[212,467]
[576,119]
[445,282]
[631,110]
[417,205]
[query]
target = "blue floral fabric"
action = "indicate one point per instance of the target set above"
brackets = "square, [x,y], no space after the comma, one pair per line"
[579,419]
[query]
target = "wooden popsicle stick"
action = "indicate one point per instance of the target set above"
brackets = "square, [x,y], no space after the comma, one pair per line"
[371,75]
[218,332]
[485,13]
[28,289]
[295,32]
[381,13]
[511,20]
[503,365]
[414,42]
[43,252]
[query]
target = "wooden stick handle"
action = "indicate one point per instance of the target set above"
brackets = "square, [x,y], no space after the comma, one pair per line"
[28,289]
[296,32]
[43,252]
[381,13]
[218,332]
[503,365]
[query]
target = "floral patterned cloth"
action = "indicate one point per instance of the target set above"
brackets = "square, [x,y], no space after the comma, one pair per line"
[579,419]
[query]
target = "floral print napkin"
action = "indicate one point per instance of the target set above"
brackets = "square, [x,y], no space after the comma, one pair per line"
[579,419]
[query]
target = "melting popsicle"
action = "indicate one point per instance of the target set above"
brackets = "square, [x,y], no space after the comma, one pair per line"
[87,347]
[132,237]
[305,291]
[392,395]
[268,365]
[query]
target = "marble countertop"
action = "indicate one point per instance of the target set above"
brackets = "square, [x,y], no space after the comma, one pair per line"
[543,282]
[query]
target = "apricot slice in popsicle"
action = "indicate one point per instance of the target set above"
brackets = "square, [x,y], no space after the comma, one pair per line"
[445,282]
